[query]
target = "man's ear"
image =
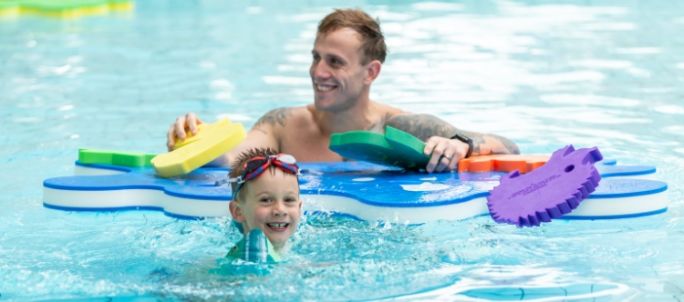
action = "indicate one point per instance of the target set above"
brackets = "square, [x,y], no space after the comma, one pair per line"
[372,71]
[236,211]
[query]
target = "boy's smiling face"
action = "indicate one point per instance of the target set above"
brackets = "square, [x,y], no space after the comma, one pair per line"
[270,203]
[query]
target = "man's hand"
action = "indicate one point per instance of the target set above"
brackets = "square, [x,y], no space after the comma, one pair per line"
[179,130]
[444,153]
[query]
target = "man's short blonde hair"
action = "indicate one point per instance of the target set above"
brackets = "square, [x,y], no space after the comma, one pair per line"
[372,40]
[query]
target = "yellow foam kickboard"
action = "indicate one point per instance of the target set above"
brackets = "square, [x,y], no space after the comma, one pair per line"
[63,9]
[195,151]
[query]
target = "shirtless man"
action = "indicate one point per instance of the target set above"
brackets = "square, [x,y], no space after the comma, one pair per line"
[348,54]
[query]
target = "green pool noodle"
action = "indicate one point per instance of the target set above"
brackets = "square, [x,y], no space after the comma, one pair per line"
[66,9]
[394,148]
[118,158]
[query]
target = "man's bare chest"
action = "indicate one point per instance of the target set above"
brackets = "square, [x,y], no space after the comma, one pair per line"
[308,146]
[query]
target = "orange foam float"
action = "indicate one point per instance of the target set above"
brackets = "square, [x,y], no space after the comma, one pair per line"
[502,163]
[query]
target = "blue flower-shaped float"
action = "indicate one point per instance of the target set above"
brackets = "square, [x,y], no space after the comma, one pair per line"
[363,190]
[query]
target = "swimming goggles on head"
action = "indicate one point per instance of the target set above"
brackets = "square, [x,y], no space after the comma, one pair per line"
[255,166]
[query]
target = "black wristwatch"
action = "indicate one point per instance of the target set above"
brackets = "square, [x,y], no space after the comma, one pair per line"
[466,140]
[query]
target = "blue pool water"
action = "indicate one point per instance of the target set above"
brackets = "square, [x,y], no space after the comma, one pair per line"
[590,73]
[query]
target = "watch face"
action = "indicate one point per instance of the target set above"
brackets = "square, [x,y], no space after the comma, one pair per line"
[462,138]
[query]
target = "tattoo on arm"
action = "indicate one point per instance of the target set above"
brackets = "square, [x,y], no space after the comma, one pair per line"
[425,126]
[422,126]
[274,117]
[508,146]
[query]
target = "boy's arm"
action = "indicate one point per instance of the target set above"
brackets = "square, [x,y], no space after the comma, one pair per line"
[444,151]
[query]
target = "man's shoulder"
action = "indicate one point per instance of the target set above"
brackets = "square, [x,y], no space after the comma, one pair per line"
[279,117]
[290,111]
[387,109]
[387,112]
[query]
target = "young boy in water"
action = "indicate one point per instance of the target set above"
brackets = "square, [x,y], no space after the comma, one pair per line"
[265,203]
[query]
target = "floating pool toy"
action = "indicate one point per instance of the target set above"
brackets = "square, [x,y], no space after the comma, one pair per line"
[115,158]
[523,292]
[363,190]
[550,191]
[502,163]
[62,8]
[210,142]
[394,148]
[402,149]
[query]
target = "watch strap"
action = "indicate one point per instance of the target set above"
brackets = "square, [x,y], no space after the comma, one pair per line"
[466,140]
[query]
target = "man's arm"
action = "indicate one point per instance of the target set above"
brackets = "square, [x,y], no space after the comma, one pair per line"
[445,152]
[425,126]
[264,134]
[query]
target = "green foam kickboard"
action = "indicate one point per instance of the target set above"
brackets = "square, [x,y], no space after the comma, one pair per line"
[117,158]
[395,148]
[409,146]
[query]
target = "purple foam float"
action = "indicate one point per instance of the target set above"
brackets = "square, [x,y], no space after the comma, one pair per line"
[550,191]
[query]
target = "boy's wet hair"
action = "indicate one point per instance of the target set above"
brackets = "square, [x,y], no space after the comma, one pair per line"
[237,166]
[372,40]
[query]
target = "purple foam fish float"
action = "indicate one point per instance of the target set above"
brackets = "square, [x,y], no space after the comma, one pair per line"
[550,191]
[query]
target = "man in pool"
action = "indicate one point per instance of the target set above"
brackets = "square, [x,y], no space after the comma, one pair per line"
[348,54]
[265,203]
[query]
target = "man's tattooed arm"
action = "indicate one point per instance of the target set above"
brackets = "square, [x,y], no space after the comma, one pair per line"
[272,123]
[275,117]
[425,126]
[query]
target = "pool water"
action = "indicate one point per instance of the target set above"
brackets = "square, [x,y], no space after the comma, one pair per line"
[545,74]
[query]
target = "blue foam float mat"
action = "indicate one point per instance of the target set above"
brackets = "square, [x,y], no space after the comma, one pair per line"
[364,190]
